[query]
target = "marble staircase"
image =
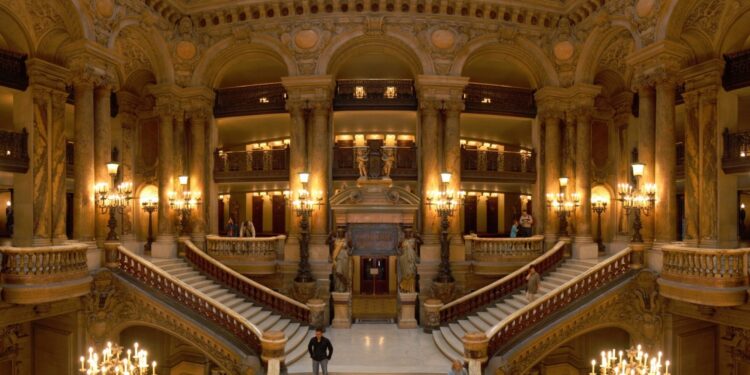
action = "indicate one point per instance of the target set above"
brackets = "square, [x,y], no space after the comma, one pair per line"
[448,337]
[297,333]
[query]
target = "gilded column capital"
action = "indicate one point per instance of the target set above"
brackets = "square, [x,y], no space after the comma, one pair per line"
[42,73]
[430,106]
[320,107]
[705,74]
[454,107]
[128,102]
[691,98]
[309,88]
[440,88]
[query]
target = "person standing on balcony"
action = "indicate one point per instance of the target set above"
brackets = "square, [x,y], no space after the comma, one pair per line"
[526,221]
[532,281]
[320,350]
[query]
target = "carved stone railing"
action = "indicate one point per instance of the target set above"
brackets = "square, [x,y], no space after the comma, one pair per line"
[189,297]
[256,165]
[521,321]
[736,70]
[497,166]
[249,256]
[502,288]
[13,70]
[375,94]
[44,274]
[713,277]
[499,100]
[14,151]
[250,100]
[736,156]
[493,256]
[248,288]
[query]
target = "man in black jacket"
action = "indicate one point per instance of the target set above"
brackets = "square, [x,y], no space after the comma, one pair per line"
[320,350]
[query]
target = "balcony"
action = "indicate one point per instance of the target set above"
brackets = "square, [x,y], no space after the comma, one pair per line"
[14,152]
[711,277]
[248,256]
[736,70]
[250,100]
[501,256]
[499,100]
[485,164]
[13,70]
[736,157]
[33,275]
[404,166]
[252,165]
[375,94]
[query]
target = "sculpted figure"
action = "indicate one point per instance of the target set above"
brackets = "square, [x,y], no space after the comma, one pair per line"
[407,262]
[341,262]
[362,161]
[388,158]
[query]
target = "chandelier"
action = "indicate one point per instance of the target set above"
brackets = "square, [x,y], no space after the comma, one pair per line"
[305,202]
[113,201]
[563,204]
[184,204]
[637,201]
[115,360]
[444,201]
[635,362]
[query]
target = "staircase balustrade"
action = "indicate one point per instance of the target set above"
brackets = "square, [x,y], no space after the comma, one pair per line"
[264,249]
[711,267]
[501,288]
[246,287]
[152,276]
[41,265]
[502,249]
[558,299]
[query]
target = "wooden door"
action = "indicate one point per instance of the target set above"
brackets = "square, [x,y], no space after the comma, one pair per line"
[470,214]
[492,213]
[373,275]
[279,214]
[258,214]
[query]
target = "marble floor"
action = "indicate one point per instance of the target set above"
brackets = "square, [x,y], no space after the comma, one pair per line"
[379,349]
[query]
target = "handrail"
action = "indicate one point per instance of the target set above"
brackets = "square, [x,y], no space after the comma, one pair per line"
[710,267]
[156,278]
[501,288]
[24,264]
[505,247]
[244,246]
[245,286]
[557,299]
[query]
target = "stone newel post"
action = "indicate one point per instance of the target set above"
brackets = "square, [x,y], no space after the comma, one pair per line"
[317,312]
[432,314]
[272,346]
[475,351]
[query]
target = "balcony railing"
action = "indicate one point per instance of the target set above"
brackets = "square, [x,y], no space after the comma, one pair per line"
[44,274]
[736,70]
[250,100]
[248,256]
[404,166]
[256,165]
[736,157]
[13,70]
[499,100]
[713,277]
[493,256]
[248,288]
[497,166]
[14,152]
[376,94]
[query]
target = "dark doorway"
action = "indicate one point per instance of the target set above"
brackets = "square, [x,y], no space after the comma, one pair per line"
[258,213]
[220,216]
[492,207]
[470,214]
[279,214]
[374,275]
[69,215]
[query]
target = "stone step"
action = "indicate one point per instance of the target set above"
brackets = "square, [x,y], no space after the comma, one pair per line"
[506,308]
[294,353]
[290,330]
[514,303]
[568,271]
[280,325]
[176,267]
[251,312]
[299,337]
[466,325]
[497,313]
[242,307]
[194,279]
[225,297]
[185,274]
[481,325]
[443,345]
[267,323]
[457,330]
[488,318]
[521,298]
[162,262]
[555,279]
[217,293]
[201,284]
[209,288]
[234,302]
[451,339]
[259,317]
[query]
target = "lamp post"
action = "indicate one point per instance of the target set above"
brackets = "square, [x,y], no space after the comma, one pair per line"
[113,201]
[599,206]
[563,204]
[444,203]
[149,205]
[304,203]
[188,201]
[636,201]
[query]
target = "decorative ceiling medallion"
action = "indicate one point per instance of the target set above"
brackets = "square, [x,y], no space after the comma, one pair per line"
[443,38]
[564,50]
[644,8]
[306,39]
[186,50]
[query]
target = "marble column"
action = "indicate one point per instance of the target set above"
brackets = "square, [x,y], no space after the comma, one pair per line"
[297,163]
[665,211]
[583,175]
[102,148]
[128,104]
[709,209]
[58,167]
[179,143]
[692,171]
[552,152]
[429,144]
[569,161]
[646,126]
[318,155]
[84,207]
[452,160]
[165,246]
[198,171]
[538,194]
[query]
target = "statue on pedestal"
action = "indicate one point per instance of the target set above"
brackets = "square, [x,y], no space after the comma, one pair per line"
[388,156]
[341,257]
[362,161]
[407,262]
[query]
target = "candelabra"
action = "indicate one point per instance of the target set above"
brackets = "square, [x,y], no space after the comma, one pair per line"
[599,206]
[113,361]
[635,201]
[635,361]
[113,201]
[304,203]
[185,204]
[444,202]
[149,205]
[563,204]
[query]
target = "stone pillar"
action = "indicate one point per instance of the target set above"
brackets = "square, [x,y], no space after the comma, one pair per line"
[452,162]
[102,147]
[710,160]
[475,351]
[429,145]
[552,171]
[569,161]
[342,309]
[198,172]
[127,114]
[57,167]
[432,314]
[272,351]
[84,206]
[165,246]
[317,313]
[180,166]
[318,155]
[692,170]
[212,189]
[538,193]
[646,128]
[584,247]
[665,212]
[407,303]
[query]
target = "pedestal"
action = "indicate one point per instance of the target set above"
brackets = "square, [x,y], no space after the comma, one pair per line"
[303,291]
[407,310]
[110,254]
[585,250]
[636,255]
[272,345]
[164,247]
[342,310]
[93,256]
[443,291]
[129,242]
[475,351]
[432,314]
[317,313]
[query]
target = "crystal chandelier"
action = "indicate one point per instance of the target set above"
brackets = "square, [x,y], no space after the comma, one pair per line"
[634,362]
[113,360]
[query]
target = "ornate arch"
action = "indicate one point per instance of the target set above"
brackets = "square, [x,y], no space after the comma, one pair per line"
[22,39]
[128,39]
[697,22]
[400,44]
[734,31]
[604,48]
[207,71]
[522,51]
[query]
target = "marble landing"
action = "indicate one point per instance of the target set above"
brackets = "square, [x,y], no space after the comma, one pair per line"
[379,349]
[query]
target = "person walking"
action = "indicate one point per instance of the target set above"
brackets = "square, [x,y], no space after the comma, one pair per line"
[320,350]
[457,368]
[532,281]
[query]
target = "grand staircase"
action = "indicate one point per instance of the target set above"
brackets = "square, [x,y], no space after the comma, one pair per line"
[297,334]
[448,337]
